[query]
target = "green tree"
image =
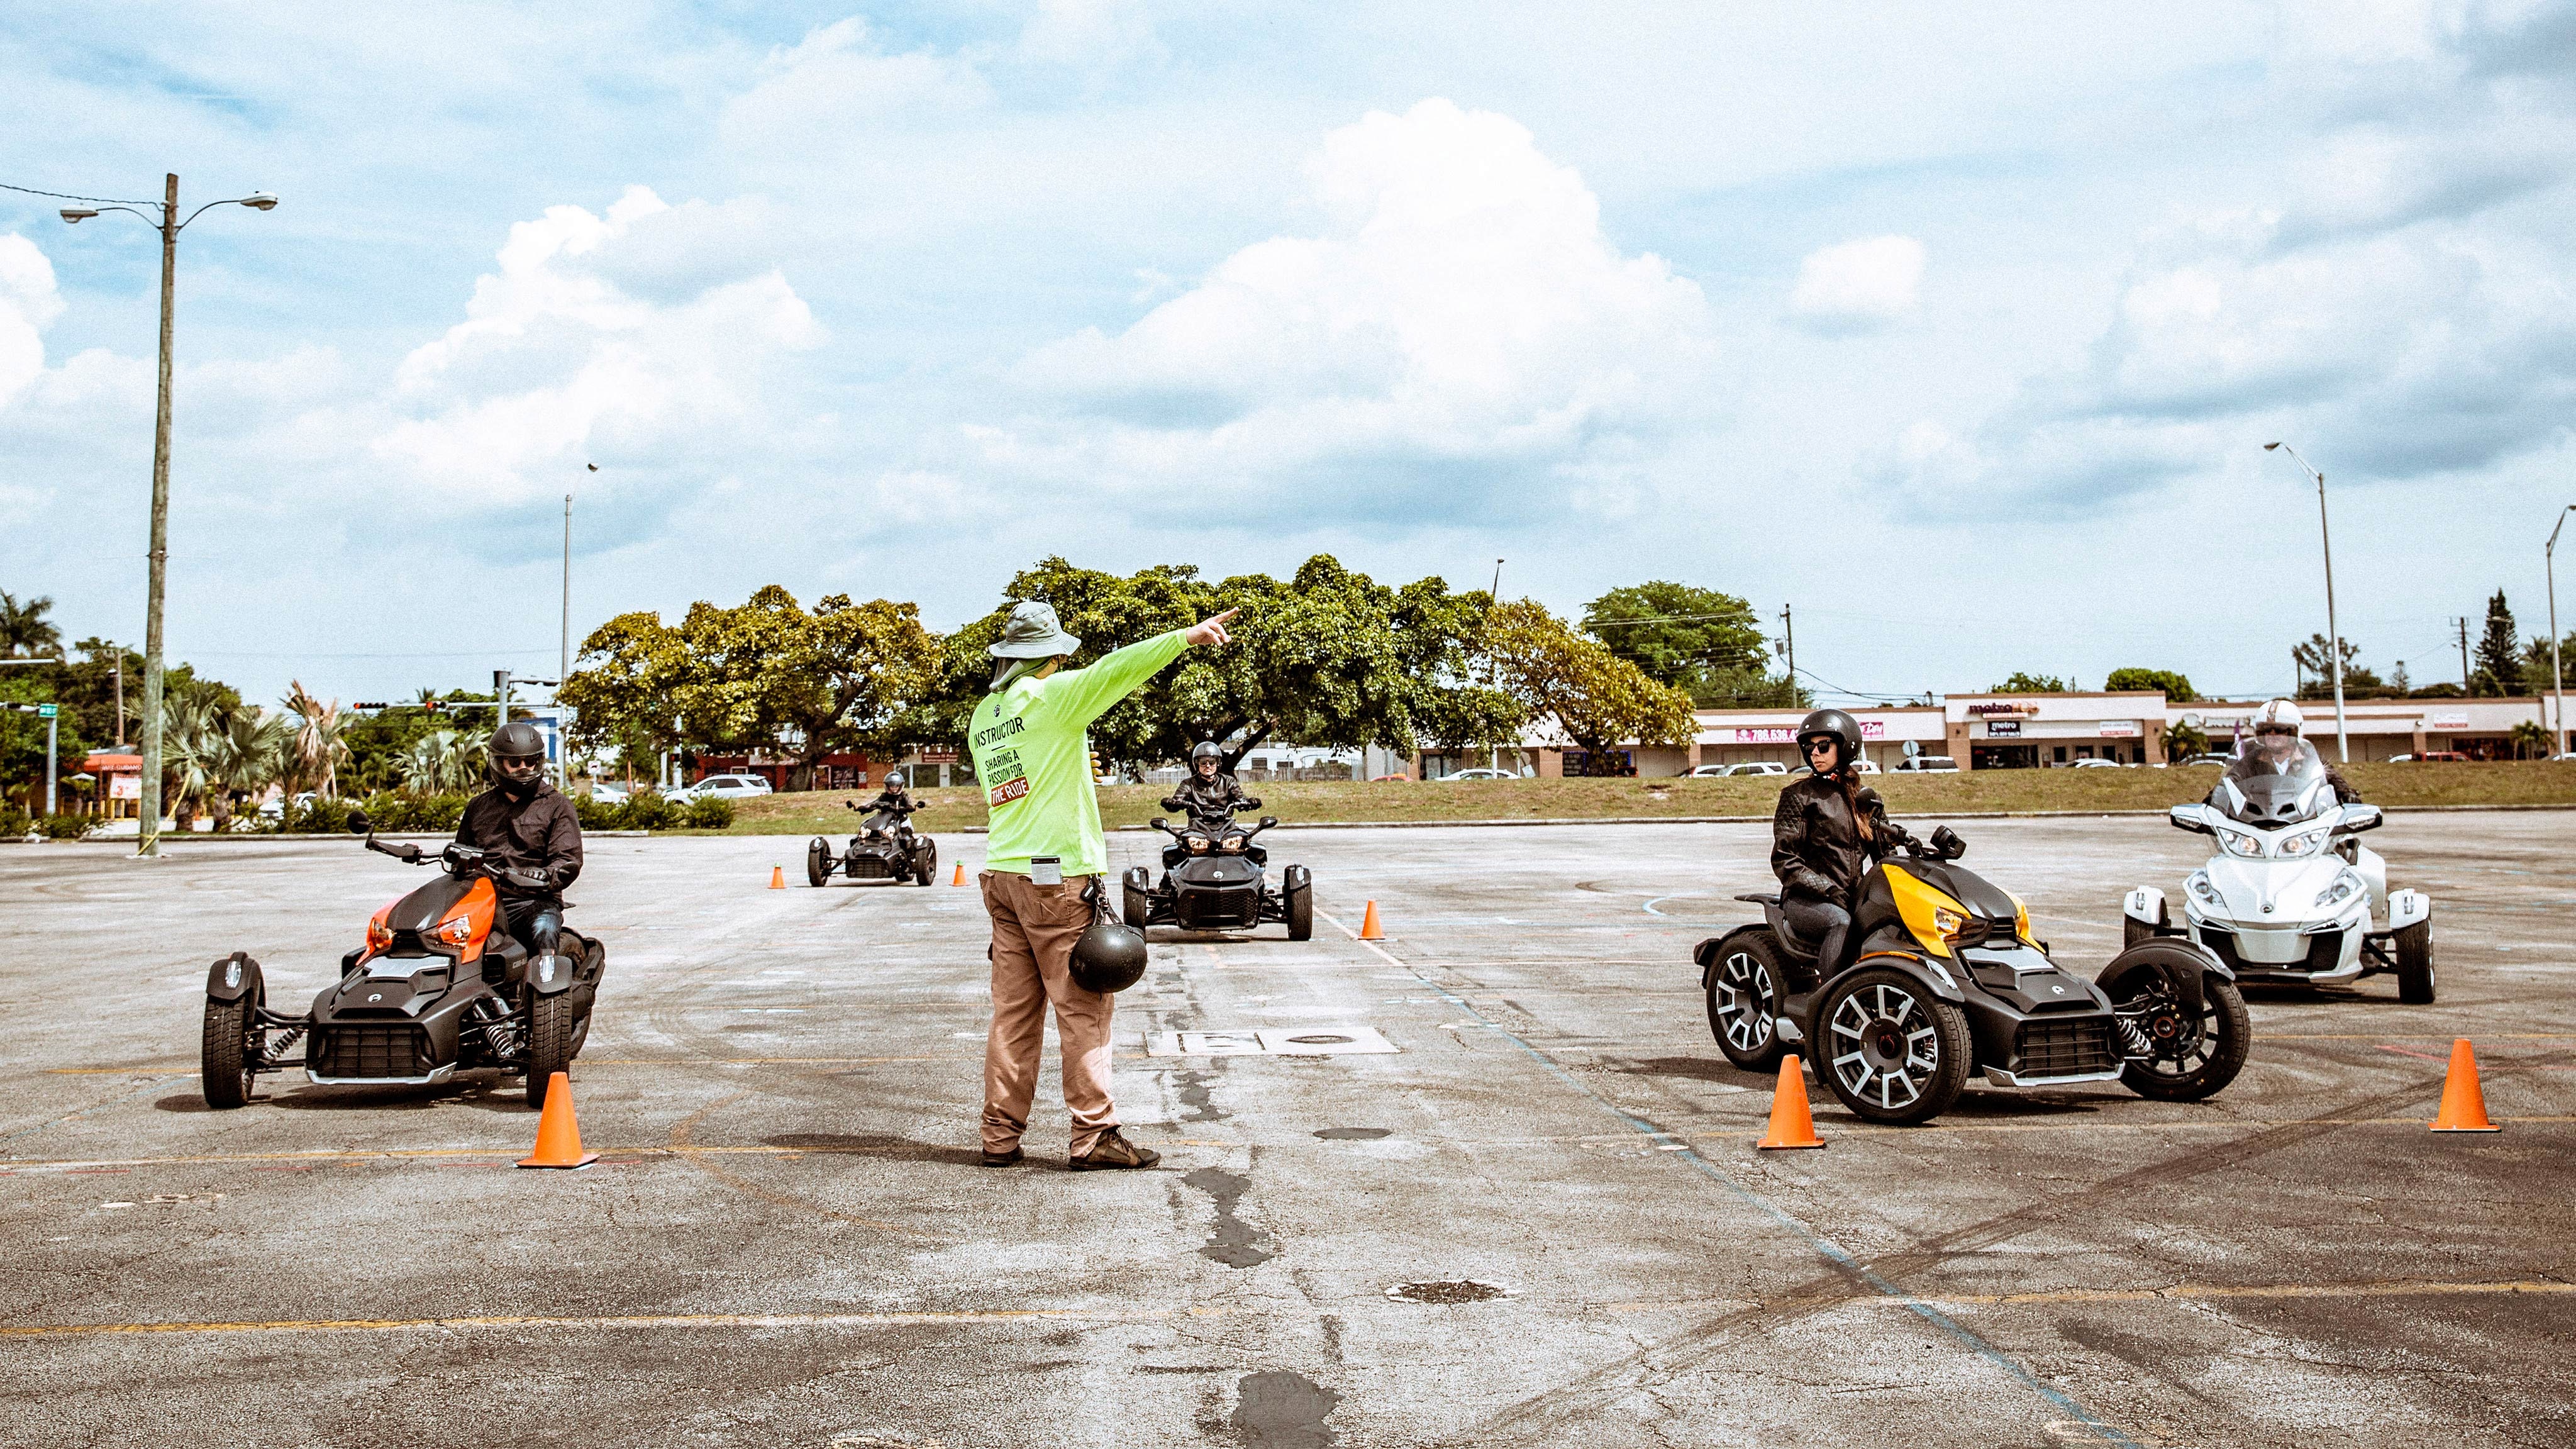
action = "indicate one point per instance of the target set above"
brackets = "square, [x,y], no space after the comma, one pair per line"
[2176,687]
[2499,665]
[25,632]
[1329,657]
[2531,740]
[1598,699]
[1705,643]
[762,675]
[313,762]
[2536,676]
[2182,741]
[2022,683]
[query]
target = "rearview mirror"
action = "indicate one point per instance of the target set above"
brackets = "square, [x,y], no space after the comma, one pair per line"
[2358,818]
[1156,824]
[1269,820]
[2191,818]
[359,824]
[1947,844]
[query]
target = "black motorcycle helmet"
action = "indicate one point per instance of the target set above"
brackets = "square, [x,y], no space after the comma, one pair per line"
[894,780]
[1833,724]
[518,754]
[1110,956]
[1205,750]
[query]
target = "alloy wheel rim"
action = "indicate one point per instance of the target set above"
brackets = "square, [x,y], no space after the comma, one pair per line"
[1885,1048]
[1743,999]
[2180,1050]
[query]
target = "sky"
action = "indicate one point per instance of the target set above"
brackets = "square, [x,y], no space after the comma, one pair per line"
[1957,330]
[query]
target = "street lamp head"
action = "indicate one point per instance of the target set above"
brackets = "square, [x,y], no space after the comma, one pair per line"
[75,215]
[260,201]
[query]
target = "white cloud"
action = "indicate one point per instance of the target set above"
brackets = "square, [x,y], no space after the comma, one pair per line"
[1461,316]
[555,359]
[838,83]
[1859,285]
[28,302]
[1088,32]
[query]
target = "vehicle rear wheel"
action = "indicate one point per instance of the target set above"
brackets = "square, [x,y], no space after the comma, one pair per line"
[2415,964]
[550,1043]
[2187,1060]
[230,1051]
[818,862]
[1301,911]
[1890,1050]
[1135,899]
[925,862]
[2133,930]
[1744,1002]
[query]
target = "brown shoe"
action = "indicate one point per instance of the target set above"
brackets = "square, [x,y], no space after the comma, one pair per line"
[1113,1151]
[1003,1159]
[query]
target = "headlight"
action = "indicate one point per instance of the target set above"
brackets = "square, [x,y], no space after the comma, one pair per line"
[455,931]
[1948,922]
[2345,887]
[2021,917]
[1233,845]
[2238,843]
[2304,843]
[1198,845]
[379,935]
[2206,893]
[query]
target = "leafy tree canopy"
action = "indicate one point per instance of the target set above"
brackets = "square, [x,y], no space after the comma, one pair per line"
[1707,644]
[2022,683]
[2499,667]
[1600,700]
[2176,687]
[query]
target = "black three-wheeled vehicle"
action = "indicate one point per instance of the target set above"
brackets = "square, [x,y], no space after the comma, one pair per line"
[1213,880]
[885,848]
[439,988]
[1947,979]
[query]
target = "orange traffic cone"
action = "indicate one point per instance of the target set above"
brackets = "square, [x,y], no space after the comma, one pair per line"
[778,877]
[1368,925]
[558,1135]
[1791,1124]
[960,877]
[2464,1105]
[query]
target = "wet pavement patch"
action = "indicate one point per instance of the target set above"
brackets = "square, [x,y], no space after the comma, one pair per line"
[1277,1410]
[1192,1088]
[1448,1290]
[1354,1134]
[1234,1243]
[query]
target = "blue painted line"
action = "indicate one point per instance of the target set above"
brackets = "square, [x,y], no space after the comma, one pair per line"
[1832,1253]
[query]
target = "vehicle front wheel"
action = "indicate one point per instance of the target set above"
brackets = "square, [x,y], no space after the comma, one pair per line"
[1744,1002]
[230,1052]
[2186,1060]
[1301,912]
[2133,930]
[925,862]
[550,1043]
[818,862]
[1890,1050]
[2415,964]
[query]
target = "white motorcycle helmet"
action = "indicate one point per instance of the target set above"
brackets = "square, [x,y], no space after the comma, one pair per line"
[2279,717]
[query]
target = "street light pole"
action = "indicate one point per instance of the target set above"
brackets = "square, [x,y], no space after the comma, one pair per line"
[2334,641]
[563,754]
[2557,680]
[169,225]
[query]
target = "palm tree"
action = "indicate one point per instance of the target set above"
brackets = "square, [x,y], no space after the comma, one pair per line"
[24,628]
[188,751]
[246,753]
[314,760]
[445,760]
[2531,737]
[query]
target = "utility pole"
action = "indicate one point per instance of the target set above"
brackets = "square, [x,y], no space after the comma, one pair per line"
[501,694]
[2557,680]
[2464,656]
[2334,641]
[1789,646]
[120,694]
[563,756]
[150,823]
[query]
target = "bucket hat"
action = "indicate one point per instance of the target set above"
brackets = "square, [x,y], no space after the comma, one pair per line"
[1032,632]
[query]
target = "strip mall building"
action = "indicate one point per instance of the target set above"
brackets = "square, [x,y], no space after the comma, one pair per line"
[2032,731]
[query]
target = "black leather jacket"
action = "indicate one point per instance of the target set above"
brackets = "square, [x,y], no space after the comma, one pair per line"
[540,833]
[1210,802]
[1815,847]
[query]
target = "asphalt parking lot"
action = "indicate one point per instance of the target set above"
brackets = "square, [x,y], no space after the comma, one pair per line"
[788,1241]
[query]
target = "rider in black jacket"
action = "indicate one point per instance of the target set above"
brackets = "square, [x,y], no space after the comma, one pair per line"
[892,796]
[1828,831]
[522,824]
[1210,794]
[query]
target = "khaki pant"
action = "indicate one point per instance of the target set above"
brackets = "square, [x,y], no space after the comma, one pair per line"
[1034,928]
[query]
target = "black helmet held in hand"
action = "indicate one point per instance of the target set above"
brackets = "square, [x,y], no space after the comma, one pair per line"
[1110,956]
[518,752]
[1832,724]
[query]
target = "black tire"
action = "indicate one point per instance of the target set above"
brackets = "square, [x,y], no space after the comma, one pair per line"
[2415,964]
[925,862]
[2191,1060]
[1301,911]
[1744,1001]
[1889,1049]
[227,1055]
[551,1028]
[818,862]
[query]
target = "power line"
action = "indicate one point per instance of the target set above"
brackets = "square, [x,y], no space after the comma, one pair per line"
[67,196]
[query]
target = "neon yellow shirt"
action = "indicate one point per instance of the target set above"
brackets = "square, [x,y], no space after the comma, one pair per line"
[1032,752]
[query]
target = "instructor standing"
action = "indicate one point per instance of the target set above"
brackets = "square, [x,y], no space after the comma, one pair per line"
[1032,756]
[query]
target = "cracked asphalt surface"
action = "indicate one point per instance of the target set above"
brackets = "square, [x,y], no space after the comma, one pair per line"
[788,1240]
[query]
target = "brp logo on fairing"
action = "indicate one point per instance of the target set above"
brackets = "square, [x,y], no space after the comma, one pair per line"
[379,996]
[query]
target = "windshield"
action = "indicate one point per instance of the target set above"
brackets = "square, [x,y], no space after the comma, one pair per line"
[882,819]
[2278,779]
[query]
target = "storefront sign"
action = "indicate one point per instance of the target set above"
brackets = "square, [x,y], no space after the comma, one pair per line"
[939,757]
[125,787]
[2003,729]
[2022,711]
[2458,721]
[2119,729]
[1870,729]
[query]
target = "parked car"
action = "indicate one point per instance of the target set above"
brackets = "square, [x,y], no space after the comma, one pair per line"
[275,809]
[721,787]
[1705,772]
[608,792]
[1382,779]
[2221,761]
[1864,767]
[2433,755]
[1481,773]
[2096,764]
[1928,765]
[1758,767]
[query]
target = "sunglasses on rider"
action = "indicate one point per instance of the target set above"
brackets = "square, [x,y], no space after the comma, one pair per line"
[1815,745]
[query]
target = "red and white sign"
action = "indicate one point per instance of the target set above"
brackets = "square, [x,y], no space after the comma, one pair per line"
[1870,729]
[2458,721]
[2119,729]
[125,787]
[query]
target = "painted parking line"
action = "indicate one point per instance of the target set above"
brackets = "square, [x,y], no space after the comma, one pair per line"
[630,1320]
[438,1154]
[2174,1293]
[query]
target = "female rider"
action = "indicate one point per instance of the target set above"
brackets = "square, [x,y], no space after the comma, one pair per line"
[1828,830]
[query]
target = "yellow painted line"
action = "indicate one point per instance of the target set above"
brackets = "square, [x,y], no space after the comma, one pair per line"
[2178,1293]
[638,1320]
